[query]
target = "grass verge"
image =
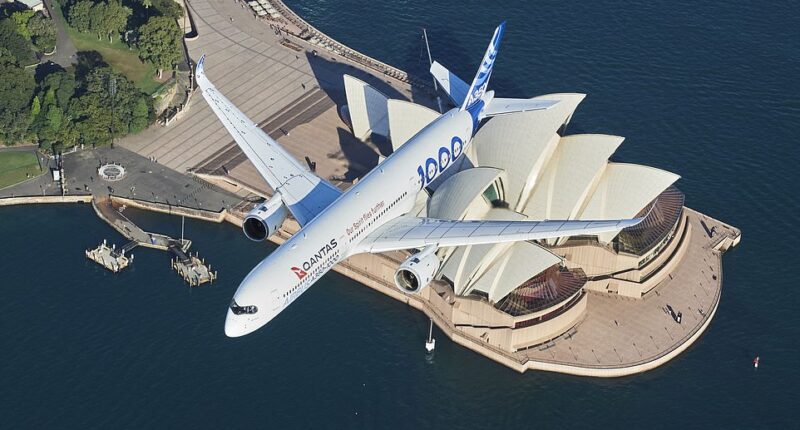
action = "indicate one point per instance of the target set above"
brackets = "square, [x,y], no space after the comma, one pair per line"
[118,55]
[16,167]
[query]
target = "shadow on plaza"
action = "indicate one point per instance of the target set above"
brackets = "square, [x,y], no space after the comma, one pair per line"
[329,74]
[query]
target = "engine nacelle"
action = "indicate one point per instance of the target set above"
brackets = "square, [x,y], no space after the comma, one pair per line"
[416,272]
[265,219]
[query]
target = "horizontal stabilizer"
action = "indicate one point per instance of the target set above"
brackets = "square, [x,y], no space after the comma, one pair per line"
[501,106]
[455,88]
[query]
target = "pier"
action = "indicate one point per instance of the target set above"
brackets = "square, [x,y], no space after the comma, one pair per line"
[191,268]
[109,257]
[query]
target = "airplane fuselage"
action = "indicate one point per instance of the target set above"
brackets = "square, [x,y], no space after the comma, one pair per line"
[388,191]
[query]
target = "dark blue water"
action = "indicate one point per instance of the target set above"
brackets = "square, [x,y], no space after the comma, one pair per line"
[707,91]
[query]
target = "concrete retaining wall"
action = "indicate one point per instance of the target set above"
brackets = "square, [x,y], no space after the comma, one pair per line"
[30,200]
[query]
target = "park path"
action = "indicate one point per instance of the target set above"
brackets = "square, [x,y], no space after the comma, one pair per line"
[65,55]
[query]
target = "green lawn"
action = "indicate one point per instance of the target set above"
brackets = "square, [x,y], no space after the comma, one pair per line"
[116,54]
[16,166]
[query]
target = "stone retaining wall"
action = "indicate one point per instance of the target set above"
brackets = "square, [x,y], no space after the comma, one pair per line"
[30,200]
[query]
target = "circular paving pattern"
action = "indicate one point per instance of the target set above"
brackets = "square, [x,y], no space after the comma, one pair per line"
[111,172]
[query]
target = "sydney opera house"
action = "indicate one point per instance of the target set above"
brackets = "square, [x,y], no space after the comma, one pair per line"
[526,166]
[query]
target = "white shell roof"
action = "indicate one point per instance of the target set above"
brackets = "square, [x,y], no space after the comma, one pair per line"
[406,119]
[523,261]
[453,198]
[570,176]
[623,191]
[521,143]
[468,263]
[367,107]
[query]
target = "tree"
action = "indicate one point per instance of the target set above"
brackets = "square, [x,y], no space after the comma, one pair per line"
[141,116]
[168,8]
[79,16]
[115,18]
[21,20]
[63,85]
[93,114]
[42,31]
[15,44]
[160,42]
[97,16]
[46,126]
[55,117]
[36,107]
[107,19]
[16,93]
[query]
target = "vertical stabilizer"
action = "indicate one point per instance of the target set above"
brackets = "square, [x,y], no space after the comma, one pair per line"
[481,81]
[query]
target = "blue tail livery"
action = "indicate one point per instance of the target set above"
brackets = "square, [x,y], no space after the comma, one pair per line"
[475,99]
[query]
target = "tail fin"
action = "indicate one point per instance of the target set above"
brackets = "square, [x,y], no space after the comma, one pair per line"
[475,99]
[481,81]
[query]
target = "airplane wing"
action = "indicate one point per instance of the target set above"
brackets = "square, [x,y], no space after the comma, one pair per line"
[304,193]
[408,232]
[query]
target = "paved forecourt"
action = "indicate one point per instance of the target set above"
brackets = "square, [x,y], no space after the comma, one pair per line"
[247,62]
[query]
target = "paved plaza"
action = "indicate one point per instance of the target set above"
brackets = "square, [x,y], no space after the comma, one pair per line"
[143,180]
[294,94]
[620,331]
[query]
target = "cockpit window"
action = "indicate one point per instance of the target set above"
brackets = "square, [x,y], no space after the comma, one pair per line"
[243,310]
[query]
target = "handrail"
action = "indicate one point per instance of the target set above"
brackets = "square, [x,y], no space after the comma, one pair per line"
[308,32]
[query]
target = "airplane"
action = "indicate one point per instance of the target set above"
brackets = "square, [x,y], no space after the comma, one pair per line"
[373,215]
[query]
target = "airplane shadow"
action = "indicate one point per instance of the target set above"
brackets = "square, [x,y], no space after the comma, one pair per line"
[361,158]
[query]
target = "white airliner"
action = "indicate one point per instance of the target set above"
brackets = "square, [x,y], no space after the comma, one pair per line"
[371,215]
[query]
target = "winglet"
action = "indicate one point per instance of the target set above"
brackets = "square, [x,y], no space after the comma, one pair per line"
[200,74]
[198,70]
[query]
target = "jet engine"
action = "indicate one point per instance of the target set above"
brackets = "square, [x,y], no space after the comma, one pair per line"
[417,271]
[265,219]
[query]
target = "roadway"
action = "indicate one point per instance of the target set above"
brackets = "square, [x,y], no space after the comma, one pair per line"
[66,53]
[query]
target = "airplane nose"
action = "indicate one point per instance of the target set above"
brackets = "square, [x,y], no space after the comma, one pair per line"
[234,327]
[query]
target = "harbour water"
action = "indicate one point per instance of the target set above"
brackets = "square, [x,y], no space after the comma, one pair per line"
[706,91]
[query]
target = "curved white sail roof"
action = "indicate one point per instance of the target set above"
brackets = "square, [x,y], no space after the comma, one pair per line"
[469,263]
[406,119]
[453,198]
[367,107]
[570,176]
[522,143]
[623,191]
[523,261]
